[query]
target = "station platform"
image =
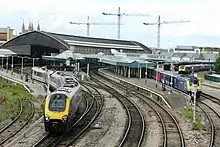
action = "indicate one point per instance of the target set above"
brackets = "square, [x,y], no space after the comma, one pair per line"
[37,89]
[175,99]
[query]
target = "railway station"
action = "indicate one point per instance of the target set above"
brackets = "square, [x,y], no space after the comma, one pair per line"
[59,88]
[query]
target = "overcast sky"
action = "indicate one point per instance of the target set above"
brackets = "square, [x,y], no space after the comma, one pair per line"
[54,16]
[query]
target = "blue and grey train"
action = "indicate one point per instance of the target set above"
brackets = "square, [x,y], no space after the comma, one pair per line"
[183,83]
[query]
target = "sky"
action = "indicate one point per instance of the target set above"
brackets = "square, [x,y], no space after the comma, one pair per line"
[55,15]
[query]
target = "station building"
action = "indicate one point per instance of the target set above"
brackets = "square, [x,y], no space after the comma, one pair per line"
[39,43]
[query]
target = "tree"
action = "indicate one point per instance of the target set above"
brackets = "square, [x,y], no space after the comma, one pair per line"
[217,65]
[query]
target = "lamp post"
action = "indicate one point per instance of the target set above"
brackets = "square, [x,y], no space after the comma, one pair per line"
[156,74]
[22,67]
[2,62]
[12,60]
[7,65]
[146,72]
[48,82]
[33,62]
[171,81]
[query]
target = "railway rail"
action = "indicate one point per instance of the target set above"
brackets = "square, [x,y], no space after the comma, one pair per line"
[3,141]
[135,129]
[168,121]
[48,139]
[93,109]
[212,126]
[215,123]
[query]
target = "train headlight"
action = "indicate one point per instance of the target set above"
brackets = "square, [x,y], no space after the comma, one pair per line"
[65,118]
[47,117]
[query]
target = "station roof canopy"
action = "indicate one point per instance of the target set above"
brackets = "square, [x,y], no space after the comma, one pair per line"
[6,52]
[132,62]
[101,42]
[63,56]
[37,38]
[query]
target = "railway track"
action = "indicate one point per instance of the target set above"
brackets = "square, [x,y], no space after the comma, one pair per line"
[212,98]
[171,129]
[49,139]
[215,117]
[212,126]
[5,132]
[91,112]
[135,127]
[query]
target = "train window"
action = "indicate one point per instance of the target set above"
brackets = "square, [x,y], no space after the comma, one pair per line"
[57,102]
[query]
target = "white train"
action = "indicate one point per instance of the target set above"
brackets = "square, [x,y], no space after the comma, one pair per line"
[56,78]
[62,105]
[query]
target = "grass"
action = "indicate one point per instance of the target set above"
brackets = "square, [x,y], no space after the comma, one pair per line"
[12,92]
[188,113]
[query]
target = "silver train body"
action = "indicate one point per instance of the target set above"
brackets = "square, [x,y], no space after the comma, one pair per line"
[59,115]
[61,107]
[56,78]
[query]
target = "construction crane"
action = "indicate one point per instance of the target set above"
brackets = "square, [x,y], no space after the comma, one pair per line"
[163,22]
[90,23]
[119,14]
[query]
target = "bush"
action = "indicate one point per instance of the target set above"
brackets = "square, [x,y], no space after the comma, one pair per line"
[188,113]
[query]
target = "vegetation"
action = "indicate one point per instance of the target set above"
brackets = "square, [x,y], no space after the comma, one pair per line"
[188,113]
[12,92]
[217,65]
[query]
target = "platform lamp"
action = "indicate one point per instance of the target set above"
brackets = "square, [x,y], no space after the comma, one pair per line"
[156,74]
[7,64]
[22,67]
[12,65]
[171,81]
[2,61]
[146,71]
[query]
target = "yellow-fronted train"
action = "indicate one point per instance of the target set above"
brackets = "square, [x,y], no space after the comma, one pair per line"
[61,106]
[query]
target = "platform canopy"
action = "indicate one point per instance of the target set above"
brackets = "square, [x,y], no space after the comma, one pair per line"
[6,53]
[132,62]
[66,55]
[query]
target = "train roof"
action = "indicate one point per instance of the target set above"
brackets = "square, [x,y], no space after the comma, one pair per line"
[194,65]
[179,76]
[42,70]
[68,91]
[167,72]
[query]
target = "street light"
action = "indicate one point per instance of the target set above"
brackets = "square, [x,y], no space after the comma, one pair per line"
[7,65]
[12,65]
[171,82]
[2,62]
[156,74]
[22,67]
[48,82]
[146,71]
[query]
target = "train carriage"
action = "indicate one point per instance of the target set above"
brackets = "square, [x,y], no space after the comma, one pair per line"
[181,82]
[61,107]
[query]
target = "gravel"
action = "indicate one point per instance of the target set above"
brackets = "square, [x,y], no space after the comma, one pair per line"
[111,124]
[210,91]
[153,131]
[193,138]
[30,135]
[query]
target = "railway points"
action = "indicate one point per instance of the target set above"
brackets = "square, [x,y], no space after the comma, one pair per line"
[134,133]
[164,116]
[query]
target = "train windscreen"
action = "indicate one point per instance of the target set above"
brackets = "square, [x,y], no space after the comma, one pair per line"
[57,102]
[194,80]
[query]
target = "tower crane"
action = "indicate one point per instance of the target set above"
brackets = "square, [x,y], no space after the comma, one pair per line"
[90,23]
[119,14]
[163,22]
